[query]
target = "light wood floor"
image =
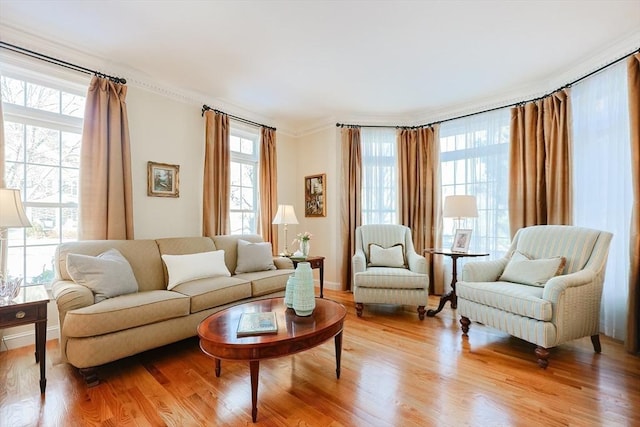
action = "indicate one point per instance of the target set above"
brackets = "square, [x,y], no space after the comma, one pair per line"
[396,371]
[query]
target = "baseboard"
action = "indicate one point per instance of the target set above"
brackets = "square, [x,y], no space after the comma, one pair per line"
[23,339]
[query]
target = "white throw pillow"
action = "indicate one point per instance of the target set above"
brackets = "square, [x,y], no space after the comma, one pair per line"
[386,257]
[254,257]
[535,272]
[183,268]
[107,275]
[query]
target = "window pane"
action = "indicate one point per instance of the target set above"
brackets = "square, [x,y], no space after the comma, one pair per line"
[247,146]
[12,91]
[235,198]
[71,149]
[43,98]
[14,141]
[69,224]
[234,143]
[235,173]
[43,145]
[73,105]
[40,264]
[70,182]
[43,184]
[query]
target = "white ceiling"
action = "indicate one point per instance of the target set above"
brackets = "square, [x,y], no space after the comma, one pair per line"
[300,64]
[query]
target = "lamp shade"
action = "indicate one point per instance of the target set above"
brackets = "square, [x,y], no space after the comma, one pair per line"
[460,206]
[285,215]
[11,209]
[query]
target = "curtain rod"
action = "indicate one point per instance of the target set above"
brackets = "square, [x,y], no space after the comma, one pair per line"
[568,85]
[59,62]
[205,107]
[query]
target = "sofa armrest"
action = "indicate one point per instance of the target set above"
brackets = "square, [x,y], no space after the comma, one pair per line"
[69,295]
[358,262]
[282,262]
[417,263]
[484,271]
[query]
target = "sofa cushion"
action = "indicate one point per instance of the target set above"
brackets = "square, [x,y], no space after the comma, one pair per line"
[184,268]
[254,257]
[390,278]
[229,244]
[266,282]
[386,257]
[124,312]
[214,291]
[535,272]
[107,275]
[523,300]
[183,246]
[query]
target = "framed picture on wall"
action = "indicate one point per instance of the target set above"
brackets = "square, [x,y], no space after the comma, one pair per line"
[315,195]
[461,240]
[163,180]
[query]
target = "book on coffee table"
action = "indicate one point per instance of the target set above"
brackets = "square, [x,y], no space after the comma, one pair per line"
[257,324]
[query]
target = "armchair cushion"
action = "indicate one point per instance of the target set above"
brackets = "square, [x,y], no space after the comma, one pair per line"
[534,272]
[386,257]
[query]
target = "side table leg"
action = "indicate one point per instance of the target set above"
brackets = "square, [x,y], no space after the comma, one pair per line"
[451,295]
[254,367]
[41,348]
[338,342]
[218,368]
[321,279]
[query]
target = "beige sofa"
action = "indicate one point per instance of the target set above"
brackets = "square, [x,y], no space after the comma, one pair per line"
[92,334]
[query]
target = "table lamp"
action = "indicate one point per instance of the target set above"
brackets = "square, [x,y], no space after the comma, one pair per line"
[460,207]
[11,216]
[285,215]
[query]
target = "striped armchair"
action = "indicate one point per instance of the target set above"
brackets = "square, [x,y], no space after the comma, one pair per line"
[546,291]
[387,269]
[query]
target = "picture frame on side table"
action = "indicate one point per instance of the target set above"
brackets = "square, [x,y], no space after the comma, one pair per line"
[163,180]
[315,197]
[461,240]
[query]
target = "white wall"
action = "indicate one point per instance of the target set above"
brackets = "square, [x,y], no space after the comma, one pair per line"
[164,130]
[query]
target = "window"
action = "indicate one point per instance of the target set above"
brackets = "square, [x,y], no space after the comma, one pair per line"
[243,206]
[474,156]
[43,131]
[379,176]
[602,182]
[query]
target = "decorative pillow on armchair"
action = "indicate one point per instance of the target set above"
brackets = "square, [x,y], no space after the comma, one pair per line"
[535,272]
[254,257]
[386,257]
[107,275]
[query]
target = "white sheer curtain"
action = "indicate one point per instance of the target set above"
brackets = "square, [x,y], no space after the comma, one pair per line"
[602,180]
[379,176]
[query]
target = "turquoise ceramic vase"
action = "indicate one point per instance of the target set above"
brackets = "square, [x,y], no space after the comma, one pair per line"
[304,298]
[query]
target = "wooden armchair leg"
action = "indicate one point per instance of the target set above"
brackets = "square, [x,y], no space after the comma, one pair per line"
[595,340]
[465,322]
[421,312]
[543,357]
[359,307]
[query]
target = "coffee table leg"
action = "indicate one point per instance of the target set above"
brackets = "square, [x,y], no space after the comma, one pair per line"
[218,369]
[254,367]
[338,341]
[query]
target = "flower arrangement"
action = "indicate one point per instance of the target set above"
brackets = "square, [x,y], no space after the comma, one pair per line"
[303,237]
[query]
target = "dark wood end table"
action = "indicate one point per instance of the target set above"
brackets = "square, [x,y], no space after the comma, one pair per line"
[219,340]
[30,306]
[316,262]
[451,295]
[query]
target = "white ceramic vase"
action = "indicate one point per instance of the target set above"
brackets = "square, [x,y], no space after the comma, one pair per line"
[304,298]
[289,291]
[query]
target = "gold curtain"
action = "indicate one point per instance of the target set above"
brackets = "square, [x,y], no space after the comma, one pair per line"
[632,342]
[105,198]
[217,158]
[351,205]
[420,194]
[540,163]
[268,186]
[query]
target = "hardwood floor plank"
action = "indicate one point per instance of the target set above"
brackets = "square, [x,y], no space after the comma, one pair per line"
[396,370]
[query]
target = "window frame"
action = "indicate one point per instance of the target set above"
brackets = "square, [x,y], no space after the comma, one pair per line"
[244,132]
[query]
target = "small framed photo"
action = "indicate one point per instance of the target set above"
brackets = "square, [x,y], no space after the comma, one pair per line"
[315,195]
[461,240]
[163,180]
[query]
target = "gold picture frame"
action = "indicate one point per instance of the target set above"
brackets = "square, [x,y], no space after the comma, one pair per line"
[163,180]
[315,195]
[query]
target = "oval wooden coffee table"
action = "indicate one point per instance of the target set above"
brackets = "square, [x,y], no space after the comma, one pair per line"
[219,340]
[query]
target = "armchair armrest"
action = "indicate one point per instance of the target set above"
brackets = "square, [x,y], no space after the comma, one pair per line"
[282,262]
[554,288]
[417,263]
[358,262]
[484,271]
